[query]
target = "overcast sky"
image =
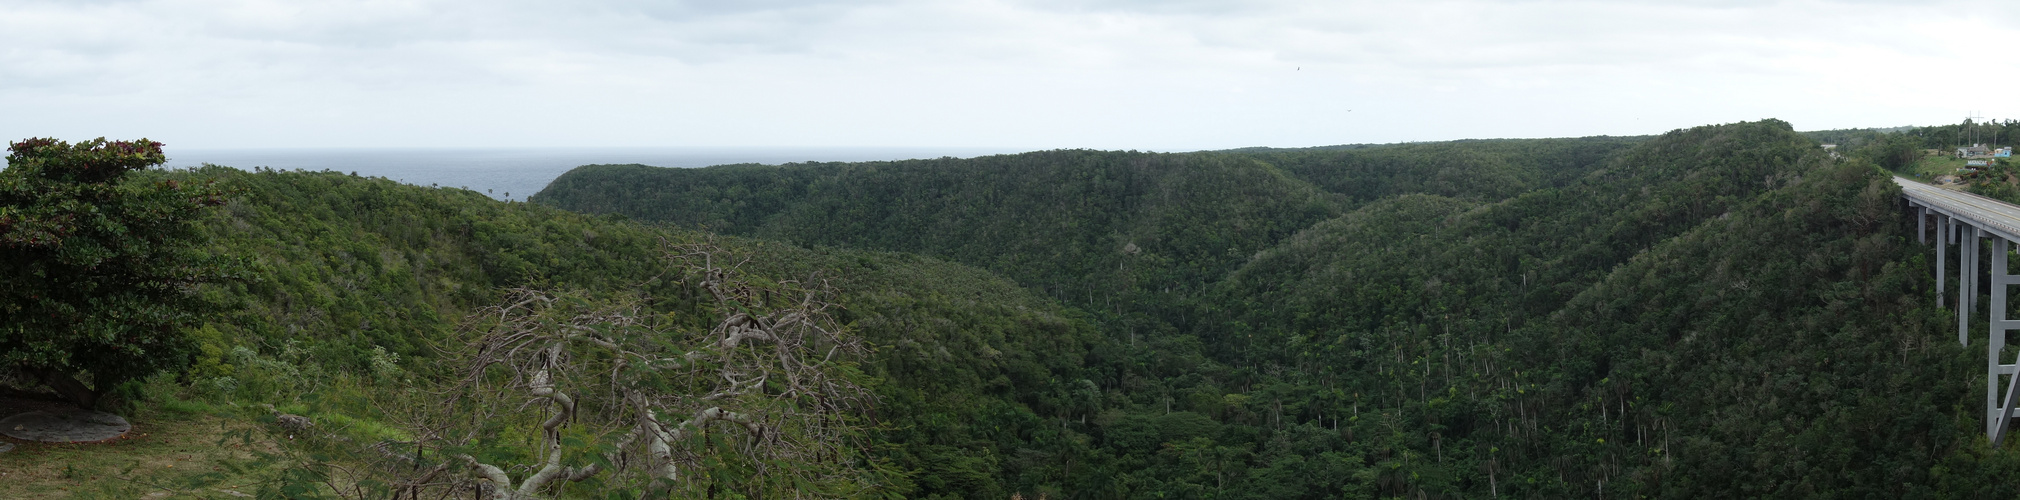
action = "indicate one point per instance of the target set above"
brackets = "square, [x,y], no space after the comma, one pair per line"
[1158,75]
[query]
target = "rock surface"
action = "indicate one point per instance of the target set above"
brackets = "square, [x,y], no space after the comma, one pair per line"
[64,426]
[292,422]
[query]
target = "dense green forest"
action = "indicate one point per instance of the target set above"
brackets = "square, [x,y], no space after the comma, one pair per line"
[1710,311]
[353,272]
[1719,311]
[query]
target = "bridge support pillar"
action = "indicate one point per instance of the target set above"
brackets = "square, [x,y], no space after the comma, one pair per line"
[1921,225]
[1967,278]
[1942,267]
[1999,410]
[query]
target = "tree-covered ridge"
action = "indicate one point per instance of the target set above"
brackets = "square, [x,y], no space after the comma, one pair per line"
[1449,337]
[1099,230]
[1446,302]
[1411,260]
[1789,349]
[356,283]
[1781,349]
[1082,225]
[1479,170]
[1718,311]
[347,263]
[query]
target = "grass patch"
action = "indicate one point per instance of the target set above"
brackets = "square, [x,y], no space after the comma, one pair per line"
[176,407]
[359,429]
[202,456]
[1929,167]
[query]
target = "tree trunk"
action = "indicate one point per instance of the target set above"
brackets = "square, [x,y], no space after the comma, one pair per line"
[67,386]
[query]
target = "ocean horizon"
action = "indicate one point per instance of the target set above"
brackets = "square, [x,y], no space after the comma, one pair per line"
[515,173]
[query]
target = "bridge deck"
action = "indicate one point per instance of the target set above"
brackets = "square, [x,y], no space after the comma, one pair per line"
[1968,218]
[1994,216]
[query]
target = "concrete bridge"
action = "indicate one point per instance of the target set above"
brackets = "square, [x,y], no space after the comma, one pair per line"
[1961,223]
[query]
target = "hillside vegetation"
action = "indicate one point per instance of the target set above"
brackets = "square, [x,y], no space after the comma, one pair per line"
[357,289]
[1707,312]
[1066,221]
[1721,311]
[1484,170]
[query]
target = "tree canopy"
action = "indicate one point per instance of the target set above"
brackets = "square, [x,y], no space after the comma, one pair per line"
[99,269]
[1544,318]
[1725,310]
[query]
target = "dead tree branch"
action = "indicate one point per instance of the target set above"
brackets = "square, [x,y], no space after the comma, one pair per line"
[616,389]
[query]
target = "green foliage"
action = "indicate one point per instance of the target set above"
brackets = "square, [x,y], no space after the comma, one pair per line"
[1715,301]
[1718,311]
[1436,264]
[1531,318]
[1476,170]
[1948,137]
[354,281]
[98,263]
[1806,298]
[1893,151]
[1087,227]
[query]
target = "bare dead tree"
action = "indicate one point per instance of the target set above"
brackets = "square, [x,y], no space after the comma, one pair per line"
[761,384]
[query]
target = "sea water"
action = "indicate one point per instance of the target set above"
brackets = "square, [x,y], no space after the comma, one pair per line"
[515,173]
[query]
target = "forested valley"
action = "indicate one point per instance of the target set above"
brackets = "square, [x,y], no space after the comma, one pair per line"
[1720,311]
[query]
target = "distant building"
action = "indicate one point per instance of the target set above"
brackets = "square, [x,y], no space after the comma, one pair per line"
[2005,152]
[1977,163]
[1975,151]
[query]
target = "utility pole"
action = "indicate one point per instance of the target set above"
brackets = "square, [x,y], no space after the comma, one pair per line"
[1972,122]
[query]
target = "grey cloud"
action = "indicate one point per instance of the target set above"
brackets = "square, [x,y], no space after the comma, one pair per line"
[626,62]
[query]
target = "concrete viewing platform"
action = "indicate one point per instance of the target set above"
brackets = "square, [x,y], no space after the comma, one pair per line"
[39,418]
[65,426]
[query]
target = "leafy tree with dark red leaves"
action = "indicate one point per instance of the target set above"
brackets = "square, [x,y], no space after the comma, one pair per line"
[99,266]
